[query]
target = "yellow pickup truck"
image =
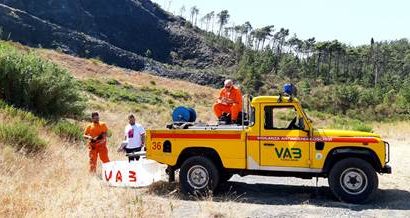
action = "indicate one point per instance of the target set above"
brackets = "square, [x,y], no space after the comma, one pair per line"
[277,139]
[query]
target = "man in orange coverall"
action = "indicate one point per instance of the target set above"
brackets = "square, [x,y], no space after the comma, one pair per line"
[229,101]
[96,133]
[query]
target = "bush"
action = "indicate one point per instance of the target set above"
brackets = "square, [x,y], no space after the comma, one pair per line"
[361,127]
[21,136]
[352,124]
[68,130]
[29,82]
[180,95]
[27,116]
[113,82]
[345,97]
[123,92]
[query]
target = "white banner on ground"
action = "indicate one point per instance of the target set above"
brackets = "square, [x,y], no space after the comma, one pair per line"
[131,174]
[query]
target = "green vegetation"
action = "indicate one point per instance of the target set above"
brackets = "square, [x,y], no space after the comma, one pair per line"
[27,81]
[367,82]
[353,124]
[338,122]
[115,91]
[19,114]
[21,137]
[119,92]
[63,128]
[68,130]
[342,85]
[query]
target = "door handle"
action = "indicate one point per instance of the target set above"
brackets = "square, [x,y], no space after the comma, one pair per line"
[269,144]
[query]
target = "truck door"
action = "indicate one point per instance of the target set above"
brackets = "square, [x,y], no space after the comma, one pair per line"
[283,142]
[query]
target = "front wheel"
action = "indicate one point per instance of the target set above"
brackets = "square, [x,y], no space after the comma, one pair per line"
[353,180]
[198,175]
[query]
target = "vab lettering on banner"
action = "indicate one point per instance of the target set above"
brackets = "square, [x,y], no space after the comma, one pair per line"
[131,174]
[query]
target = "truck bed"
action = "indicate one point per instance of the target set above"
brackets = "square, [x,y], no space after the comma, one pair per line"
[165,146]
[217,127]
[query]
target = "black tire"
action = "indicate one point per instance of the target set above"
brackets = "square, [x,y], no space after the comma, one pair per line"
[225,176]
[353,180]
[198,176]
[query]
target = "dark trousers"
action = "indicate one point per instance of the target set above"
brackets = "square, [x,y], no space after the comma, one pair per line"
[131,150]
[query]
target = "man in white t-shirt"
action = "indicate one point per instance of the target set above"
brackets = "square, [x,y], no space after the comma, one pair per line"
[134,137]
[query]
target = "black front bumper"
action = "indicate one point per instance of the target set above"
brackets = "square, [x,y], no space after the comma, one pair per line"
[386,169]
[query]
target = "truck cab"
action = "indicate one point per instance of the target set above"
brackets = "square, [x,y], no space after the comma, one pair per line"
[277,139]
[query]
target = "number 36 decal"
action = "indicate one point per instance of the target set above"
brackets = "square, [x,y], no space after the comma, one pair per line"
[156,146]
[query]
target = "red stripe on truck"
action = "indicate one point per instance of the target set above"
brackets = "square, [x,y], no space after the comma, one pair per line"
[264,138]
[314,139]
[195,136]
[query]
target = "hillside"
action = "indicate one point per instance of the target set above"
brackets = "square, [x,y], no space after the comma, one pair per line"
[55,181]
[96,29]
[368,82]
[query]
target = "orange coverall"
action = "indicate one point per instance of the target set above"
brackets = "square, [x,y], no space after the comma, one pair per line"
[234,108]
[99,147]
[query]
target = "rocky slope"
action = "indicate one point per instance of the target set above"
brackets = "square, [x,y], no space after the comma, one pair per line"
[119,32]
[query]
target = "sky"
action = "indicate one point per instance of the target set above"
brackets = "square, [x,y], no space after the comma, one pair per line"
[353,22]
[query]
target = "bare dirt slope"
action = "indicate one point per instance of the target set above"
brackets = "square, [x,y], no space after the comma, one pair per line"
[56,183]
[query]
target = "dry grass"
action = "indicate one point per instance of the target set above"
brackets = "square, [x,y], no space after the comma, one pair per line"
[56,182]
[397,131]
[89,69]
[151,116]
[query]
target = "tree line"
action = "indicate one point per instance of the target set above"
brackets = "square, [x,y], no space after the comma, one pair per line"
[334,76]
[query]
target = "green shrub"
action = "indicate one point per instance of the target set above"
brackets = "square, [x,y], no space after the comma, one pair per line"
[351,124]
[22,137]
[113,82]
[26,116]
[68,130]
[180,95]
[29,82]
[123,92]
[361,127]
[345,97]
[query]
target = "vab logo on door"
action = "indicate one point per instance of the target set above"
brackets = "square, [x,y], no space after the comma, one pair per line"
[288,153]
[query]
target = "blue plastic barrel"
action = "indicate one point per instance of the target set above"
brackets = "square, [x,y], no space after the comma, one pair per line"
[289,89]
[192,114]
[183,114]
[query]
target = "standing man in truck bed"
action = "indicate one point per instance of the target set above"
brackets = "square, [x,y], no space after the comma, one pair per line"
[229,101]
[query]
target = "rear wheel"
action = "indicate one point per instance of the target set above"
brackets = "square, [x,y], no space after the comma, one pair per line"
[198,175]
[353,180]
[226,176]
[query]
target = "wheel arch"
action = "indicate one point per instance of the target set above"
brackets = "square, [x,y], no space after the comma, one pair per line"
[199,151]
[338,154]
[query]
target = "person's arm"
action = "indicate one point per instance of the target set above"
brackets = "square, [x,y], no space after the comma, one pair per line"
[229,101]
[142,134]
[86,135]
[126,133]
[142,139]
[220,99]
[238,97]
[103,134]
